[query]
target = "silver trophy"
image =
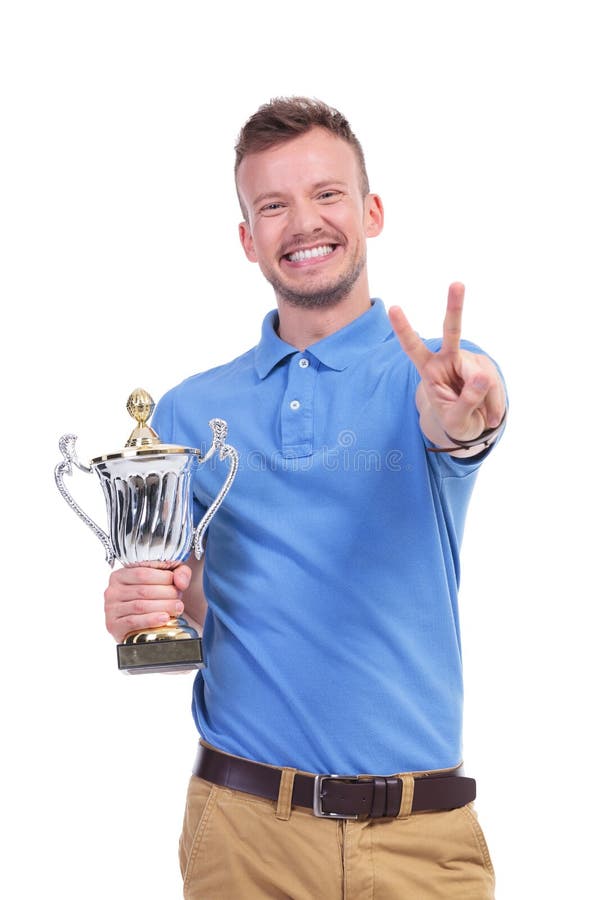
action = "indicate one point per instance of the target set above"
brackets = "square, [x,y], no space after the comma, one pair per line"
[148,491]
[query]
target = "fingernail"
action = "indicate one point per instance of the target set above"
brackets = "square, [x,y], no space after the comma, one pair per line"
[179,607]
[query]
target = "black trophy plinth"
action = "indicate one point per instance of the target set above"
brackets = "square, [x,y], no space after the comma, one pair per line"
[160,656]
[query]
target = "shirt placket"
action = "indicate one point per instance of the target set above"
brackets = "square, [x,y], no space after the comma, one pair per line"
[297,408]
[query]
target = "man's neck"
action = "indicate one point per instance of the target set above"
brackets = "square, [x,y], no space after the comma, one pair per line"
[302,327]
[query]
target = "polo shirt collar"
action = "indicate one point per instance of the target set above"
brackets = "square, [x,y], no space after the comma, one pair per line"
[335,351]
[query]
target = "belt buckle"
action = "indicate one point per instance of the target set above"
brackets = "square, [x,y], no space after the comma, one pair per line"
[318,795]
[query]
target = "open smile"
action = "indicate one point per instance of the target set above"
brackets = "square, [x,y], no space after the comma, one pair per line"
[310,255]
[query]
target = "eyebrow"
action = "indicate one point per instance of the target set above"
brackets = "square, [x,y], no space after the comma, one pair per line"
[326,182]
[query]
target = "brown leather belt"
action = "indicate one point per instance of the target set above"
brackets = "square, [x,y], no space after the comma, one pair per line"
[336,796]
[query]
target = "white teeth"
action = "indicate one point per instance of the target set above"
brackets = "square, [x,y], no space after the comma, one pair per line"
[324,250]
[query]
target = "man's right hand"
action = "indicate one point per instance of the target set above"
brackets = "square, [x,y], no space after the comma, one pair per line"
[140,597]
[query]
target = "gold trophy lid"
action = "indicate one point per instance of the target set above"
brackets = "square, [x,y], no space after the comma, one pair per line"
[143,440]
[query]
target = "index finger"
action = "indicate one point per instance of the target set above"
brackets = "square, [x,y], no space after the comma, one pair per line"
[410,341]
[453,318]
[142,575]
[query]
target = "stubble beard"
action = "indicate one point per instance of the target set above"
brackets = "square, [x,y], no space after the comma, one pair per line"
[322,297]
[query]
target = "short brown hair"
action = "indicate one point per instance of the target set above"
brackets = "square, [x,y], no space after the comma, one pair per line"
[284,118]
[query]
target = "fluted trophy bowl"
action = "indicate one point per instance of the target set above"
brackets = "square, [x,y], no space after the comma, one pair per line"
[149,506]
[147,488]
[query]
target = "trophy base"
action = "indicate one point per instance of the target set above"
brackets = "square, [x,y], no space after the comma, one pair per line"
[161,656]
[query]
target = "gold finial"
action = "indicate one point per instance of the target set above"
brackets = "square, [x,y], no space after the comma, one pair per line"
[140,407]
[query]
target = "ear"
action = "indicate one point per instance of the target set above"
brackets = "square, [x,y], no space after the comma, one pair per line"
[373,215]
[247,241]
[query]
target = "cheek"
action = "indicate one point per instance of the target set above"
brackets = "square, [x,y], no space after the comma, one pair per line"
[347,222]
[267,239]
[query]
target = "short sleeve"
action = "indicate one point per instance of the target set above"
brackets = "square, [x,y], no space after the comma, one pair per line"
[164,422]
[162,419]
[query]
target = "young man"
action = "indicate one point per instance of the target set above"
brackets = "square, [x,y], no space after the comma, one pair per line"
[331,575]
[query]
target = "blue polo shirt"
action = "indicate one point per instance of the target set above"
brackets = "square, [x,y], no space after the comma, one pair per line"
[332,637]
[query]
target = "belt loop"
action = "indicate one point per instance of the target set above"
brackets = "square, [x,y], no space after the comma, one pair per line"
[284,798]
[408,791]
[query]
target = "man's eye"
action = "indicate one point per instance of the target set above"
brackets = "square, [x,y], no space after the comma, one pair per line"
[270,208]
[329,195]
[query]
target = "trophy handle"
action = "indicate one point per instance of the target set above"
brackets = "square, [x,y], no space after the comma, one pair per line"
[66,446]
[226,451]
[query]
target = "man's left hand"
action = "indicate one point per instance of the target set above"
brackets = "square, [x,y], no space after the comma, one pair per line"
[460,393]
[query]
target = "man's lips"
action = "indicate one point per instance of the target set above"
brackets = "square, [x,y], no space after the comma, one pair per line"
[307,256]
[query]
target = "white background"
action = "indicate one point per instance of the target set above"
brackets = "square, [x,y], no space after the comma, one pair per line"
[121,266]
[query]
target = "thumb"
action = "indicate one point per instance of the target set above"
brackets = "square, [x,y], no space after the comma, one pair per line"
[470,401]
[181,577]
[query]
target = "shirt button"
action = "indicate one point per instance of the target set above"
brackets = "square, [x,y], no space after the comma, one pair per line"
[295,404]
[304,363]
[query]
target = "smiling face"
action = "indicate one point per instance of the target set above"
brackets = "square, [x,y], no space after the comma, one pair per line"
[307,219]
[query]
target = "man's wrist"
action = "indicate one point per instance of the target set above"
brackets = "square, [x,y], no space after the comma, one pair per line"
[481,442]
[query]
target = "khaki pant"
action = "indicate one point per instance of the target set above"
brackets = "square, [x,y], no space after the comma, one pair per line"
[235,846]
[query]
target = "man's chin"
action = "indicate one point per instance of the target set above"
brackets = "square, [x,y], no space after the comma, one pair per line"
[323,297]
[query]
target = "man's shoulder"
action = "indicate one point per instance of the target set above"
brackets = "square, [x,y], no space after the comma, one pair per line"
[204,395]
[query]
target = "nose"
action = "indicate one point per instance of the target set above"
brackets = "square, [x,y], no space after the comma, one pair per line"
[305,219]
